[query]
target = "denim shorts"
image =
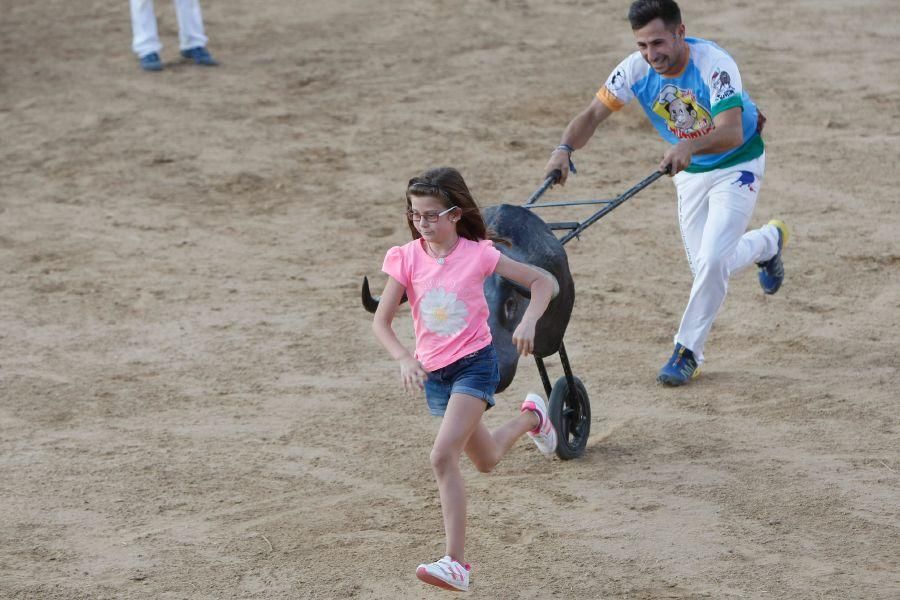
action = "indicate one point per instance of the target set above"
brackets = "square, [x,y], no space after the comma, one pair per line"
[476,374]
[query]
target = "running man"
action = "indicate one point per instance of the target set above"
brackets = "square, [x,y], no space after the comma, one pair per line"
[691,91]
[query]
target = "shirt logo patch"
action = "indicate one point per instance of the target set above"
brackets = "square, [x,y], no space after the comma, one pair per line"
[616,80]
[684,115]
[721,85]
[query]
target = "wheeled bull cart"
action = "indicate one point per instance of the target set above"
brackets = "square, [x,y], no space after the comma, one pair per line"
[569,405]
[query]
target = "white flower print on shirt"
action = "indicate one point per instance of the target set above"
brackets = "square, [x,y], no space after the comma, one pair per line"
[443,313]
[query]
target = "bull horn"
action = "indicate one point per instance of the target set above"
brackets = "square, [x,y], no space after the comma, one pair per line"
[370,302]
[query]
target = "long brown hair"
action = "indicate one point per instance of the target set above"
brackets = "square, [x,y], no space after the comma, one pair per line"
[446,184]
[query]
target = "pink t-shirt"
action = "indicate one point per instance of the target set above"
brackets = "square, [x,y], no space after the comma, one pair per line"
[447,300]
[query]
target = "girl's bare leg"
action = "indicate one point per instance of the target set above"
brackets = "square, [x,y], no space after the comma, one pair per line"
[485,448]
[461,419]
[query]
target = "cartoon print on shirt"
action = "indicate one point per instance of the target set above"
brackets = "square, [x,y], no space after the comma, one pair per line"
[443,312]
[721,85]
[684,115]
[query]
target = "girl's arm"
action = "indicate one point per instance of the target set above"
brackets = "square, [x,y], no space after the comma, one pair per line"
[542,286]
[411,371]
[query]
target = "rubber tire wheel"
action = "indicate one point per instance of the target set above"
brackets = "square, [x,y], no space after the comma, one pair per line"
[571,416]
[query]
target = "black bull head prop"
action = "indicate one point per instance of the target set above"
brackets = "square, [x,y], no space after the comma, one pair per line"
[532,242]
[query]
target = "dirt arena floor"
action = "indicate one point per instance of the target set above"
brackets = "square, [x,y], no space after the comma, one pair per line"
[192,404]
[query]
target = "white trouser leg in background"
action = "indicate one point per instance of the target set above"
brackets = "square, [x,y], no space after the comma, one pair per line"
[145,38]
[190,24]
[714,209]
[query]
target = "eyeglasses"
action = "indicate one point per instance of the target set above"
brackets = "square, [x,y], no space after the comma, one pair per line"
[430,217]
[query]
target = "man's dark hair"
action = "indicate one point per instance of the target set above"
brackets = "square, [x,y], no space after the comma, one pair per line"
[644,11]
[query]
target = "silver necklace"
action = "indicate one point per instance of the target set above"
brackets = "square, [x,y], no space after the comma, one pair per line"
[441,259]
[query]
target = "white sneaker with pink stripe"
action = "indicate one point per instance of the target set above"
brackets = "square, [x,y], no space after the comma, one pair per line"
[544,435]
[445,573]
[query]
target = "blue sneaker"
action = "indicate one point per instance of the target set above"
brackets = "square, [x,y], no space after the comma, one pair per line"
[150,62]
[200,55]
[771,272]
[680,369]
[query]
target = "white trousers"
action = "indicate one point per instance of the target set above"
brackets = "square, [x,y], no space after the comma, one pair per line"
[714,209]
[146,37]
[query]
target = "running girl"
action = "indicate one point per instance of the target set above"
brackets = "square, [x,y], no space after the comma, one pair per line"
[442,271]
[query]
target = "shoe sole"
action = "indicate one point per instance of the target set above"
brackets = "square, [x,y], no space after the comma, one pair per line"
[675,381]
[783,228]
[426,577]
[541,450]
[200,63]
[536,401]
[785,234]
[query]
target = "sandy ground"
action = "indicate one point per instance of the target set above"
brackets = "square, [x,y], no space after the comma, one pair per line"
[192,404]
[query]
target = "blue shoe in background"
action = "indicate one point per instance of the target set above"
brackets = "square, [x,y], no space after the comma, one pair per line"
[680,369]
[771,272]
[200,55]
[150,62]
